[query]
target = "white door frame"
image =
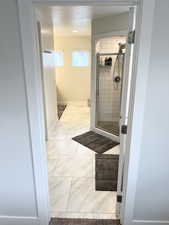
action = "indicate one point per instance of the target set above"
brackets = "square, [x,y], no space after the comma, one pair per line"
[126,90]
[35,104]
[39,46]
[93,88]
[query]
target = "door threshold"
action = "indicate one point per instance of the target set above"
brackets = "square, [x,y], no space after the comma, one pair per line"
[106,134]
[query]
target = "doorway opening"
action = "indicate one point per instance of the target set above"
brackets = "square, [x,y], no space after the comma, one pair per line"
[83,68]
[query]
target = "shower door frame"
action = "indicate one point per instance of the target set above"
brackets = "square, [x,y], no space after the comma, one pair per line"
[95,39]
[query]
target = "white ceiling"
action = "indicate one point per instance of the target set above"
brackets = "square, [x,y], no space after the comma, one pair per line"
[67,19]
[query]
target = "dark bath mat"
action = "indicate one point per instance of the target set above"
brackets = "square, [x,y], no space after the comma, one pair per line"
[63,221]
[95,142]
[61,109]
[106,172]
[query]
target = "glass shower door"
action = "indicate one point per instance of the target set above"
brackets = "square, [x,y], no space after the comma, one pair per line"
[109,88]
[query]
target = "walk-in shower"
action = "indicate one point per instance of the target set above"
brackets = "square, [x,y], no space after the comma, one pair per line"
[110,53]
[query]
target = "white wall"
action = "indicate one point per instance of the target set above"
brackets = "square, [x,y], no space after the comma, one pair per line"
[110,23]
[152,198]
[73,83]
[47,37]
[17,189]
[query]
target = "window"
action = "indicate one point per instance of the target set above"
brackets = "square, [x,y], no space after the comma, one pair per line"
[59,58]
[80,58]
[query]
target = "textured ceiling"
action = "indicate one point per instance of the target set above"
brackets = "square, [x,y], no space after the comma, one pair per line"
[67,19]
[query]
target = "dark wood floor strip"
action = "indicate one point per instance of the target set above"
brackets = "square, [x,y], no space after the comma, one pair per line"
[62,221]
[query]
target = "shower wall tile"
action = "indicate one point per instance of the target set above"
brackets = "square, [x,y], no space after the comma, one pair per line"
[109,94]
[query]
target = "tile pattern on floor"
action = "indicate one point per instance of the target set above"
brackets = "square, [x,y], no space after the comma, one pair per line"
[71,169]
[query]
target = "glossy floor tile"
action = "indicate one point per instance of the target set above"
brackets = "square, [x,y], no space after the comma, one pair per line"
[85,199]
[71,169]
[59,188]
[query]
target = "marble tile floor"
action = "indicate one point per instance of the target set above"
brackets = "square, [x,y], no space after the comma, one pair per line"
[71,170]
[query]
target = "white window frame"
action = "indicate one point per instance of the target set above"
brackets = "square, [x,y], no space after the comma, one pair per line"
[82,65]
[61,60]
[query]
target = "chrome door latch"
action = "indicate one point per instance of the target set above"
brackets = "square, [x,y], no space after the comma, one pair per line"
[131,37]
[119,198]
[124,129]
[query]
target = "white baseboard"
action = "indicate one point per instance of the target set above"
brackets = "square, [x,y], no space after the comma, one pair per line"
[150,222]
[7,220]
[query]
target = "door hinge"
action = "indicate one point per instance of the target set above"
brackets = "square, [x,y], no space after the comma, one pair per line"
[124,129]
[119,198]
[131,37]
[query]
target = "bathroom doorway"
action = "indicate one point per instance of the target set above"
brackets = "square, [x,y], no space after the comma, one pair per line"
[28,42]
[83,175]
